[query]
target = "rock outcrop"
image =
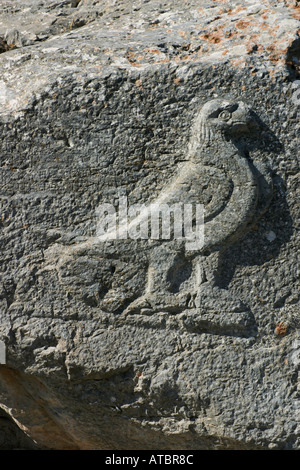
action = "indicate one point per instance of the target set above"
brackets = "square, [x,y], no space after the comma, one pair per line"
[133,343]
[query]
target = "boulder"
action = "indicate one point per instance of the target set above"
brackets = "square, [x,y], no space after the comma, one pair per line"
[130,342]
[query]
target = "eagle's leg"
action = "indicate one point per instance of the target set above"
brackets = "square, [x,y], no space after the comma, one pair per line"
[207,293]
[205,269]
[162,283]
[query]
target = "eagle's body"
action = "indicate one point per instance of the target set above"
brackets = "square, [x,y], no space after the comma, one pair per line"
[218,175]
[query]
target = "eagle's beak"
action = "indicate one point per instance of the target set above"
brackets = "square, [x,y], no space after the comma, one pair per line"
[243,119]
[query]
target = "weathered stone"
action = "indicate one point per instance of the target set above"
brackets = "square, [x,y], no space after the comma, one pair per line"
[141,344]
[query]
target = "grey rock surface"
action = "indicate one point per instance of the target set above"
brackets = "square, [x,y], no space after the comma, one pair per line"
[141,344]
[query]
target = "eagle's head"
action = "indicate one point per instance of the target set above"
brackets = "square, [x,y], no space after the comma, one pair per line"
[229,116]
[220,118]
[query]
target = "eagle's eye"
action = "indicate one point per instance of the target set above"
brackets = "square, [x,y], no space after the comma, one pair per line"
[225,115]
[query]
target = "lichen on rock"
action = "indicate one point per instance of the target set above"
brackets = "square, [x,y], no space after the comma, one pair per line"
[106,99]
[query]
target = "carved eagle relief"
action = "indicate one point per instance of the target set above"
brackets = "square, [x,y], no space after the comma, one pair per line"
[217,172]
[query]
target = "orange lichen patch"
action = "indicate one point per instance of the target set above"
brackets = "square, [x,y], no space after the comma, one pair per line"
[132,58]
[185,58]
[242,24]
[264,26]
[281,328]
[200,52]
[253,46]
[163,61]
[229,35]
[266,10]
[153,51]
[277,54]
[214,37]
[215,18]
[260,48]
[272,74]
[177,81]
[296,13]
[182,34]
[282,41]
[215,40]
[235,10]
[238,62]
[265,14]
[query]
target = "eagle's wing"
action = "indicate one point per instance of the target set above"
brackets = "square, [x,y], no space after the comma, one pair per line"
[229,193]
